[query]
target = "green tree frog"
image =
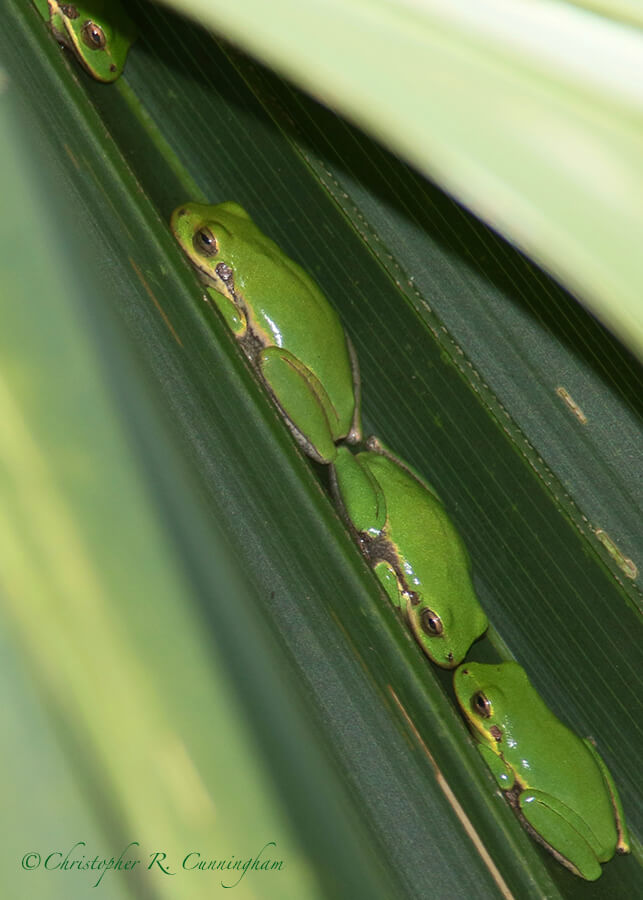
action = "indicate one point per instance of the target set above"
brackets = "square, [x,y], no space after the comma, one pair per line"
[286,327]
[557,783]
[98,32]
[413,547]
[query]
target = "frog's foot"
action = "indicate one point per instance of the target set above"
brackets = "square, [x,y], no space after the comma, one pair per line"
[623,842]
[354,435]
[561,831]
[303,401]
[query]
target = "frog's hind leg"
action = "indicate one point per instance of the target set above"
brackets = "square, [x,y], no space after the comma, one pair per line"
[561,831]
[303,401]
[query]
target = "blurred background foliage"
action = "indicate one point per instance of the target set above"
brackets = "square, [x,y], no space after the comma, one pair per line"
[196,656]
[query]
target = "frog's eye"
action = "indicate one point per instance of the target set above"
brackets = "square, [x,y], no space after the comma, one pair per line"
[205,243]
[431,622]
[93,36]
[480,705]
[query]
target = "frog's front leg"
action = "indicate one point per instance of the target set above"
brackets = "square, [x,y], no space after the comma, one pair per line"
[303,400]
[234,317]
[359,494]
[561,830]
[364,506]
[387,577]
[499,769]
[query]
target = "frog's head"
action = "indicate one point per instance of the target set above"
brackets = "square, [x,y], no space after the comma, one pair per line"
[445,632]
[209,235]
[98,32]
[489,696]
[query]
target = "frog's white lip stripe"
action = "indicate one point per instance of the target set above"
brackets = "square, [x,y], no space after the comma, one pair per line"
[205,274]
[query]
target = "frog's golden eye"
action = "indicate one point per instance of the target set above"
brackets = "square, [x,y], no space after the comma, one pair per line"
[205,243]
[93,36]
[431,622]
[480,705]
